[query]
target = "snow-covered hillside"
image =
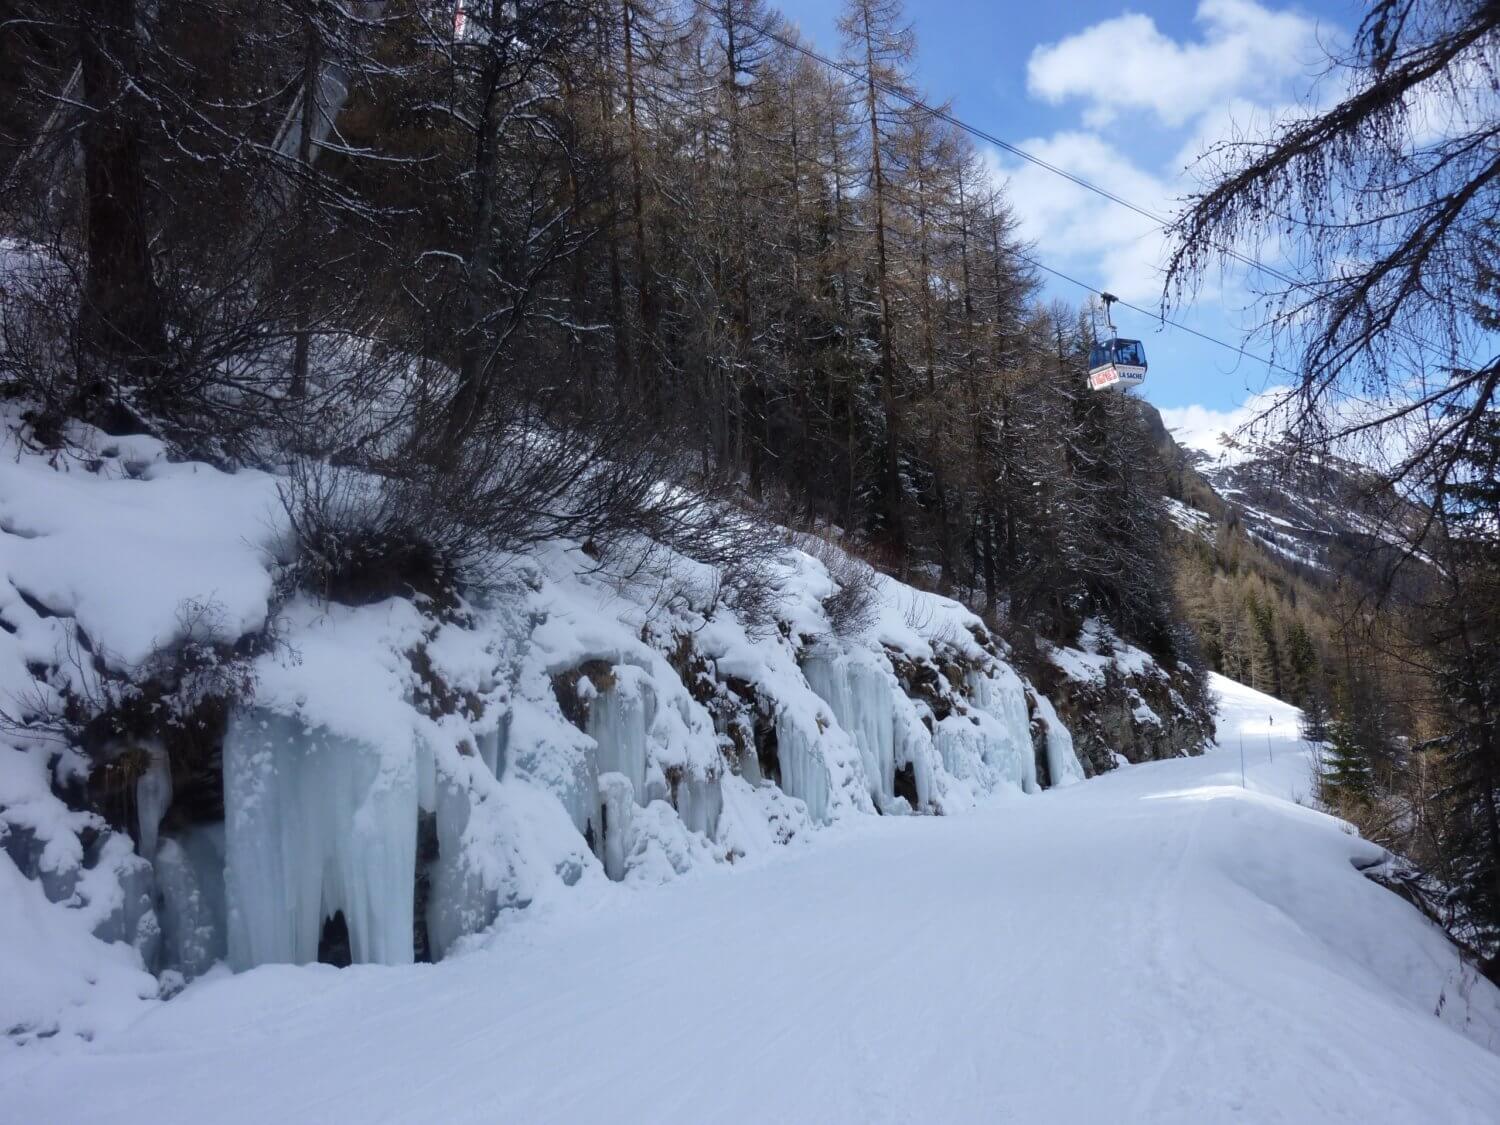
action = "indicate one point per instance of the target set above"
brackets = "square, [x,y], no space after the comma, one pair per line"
[1311,512]
[1157,945]
[204,764]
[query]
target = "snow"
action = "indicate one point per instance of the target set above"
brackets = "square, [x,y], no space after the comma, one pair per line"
[846,967]
[58,515]
[1191,519]
[361,722]
[1202,952]
[55,976]
[1098,650]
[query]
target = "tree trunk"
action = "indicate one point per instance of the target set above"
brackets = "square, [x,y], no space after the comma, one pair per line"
[121,320]
[893,489]
[312,84]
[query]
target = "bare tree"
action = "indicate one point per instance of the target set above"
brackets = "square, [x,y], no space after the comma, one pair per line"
[1387,207]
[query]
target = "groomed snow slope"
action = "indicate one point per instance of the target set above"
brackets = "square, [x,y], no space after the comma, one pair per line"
[1155,945]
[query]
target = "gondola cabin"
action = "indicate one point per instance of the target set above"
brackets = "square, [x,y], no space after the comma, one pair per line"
[1117,364]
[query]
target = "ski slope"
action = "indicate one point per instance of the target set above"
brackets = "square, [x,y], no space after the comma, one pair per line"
[1157,945]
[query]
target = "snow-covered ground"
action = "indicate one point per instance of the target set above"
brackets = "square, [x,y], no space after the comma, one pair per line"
[1158,944]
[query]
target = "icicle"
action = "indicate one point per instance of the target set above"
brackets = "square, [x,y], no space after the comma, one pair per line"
[190,882]
[493,746]
[699,802]
[617,804]
[1062,760]
[861,701]
[426,778]
[619,721]
[153,795]
[803,774]
[458,901]
[576,783]
[1001,695]
[315,823]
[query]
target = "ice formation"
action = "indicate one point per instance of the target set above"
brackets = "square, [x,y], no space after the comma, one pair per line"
[617,816]
[460,902]
[700,801]
[862,704]
[153,793]
[804,774]
[619,721]
[356,753]
[1002,725]
[492,745]
[316,824]
[1062,760]
[131,917]
[190,886]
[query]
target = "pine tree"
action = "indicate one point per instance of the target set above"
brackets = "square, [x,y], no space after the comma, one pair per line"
[1464,628]
[1316,725]
[1347,773]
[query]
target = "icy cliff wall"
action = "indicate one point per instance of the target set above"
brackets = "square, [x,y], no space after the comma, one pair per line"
[201,767]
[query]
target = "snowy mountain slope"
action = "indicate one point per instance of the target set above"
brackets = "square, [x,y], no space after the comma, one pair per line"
[1313,514]
[201,763]
[1158,945]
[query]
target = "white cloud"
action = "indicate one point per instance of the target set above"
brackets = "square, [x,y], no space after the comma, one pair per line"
[1120,249]
[1246,67]
[1126,63]
[1231,436]
[1226,434]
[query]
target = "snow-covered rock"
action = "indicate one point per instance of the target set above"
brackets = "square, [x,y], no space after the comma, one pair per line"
[1120,704]
[418,773]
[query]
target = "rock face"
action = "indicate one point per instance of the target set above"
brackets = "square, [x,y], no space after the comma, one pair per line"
[1122,706]
[1111,718]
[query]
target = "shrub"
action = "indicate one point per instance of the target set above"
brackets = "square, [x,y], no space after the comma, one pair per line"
[360,538]
[852,606]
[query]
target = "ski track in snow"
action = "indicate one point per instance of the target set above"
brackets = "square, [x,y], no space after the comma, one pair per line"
[1157,945]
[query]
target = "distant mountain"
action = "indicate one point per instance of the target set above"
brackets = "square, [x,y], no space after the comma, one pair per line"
[1317,518]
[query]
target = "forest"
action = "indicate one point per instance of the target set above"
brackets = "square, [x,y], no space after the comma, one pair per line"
[666,237]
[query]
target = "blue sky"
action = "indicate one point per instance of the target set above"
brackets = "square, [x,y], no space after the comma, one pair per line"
[1124,96]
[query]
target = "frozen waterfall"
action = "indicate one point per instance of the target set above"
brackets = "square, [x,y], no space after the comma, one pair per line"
[862,703]
[619,720]
[804,774]
[315,824]
[459,901]
[1062,760]
[1001,697]
[153,794]
[190,883]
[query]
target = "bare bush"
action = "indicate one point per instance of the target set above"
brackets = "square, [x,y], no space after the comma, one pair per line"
[379,514]
[359,538]
[852,606]
[714,556]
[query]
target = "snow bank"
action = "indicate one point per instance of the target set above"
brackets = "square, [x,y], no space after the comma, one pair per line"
[419,775]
